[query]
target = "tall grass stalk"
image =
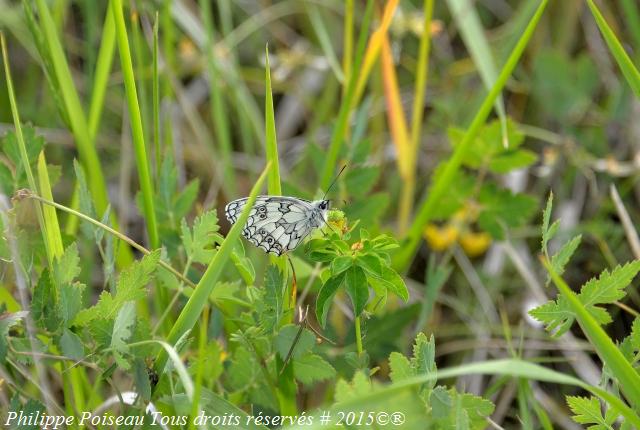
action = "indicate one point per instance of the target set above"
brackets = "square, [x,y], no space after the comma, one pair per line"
[219,115]
[142,163]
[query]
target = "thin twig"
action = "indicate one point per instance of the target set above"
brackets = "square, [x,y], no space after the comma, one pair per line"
[24,193]
[627,224]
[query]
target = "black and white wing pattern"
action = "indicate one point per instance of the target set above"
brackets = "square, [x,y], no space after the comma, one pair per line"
[275,224]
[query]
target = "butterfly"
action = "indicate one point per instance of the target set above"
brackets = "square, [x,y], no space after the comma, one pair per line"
[278,224]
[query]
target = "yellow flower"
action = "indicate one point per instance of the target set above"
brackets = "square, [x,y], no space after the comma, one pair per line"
[475,244]
[440,238]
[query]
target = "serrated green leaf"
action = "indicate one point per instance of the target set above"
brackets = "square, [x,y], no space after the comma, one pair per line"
[296,339]
[130,287]
[311,368]
[71,345]
[199,242]
[440,401]
[587,411]
[357,287]
[122,331]
[359,386]
[327,291]
[45,303]
[400,367]
[560,259]
[555,314]
[71,300]
[6,322]
[67,267]
[609,287]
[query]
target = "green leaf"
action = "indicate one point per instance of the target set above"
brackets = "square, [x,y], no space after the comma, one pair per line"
[371,263]
[587,411]
[67,267]
[327,291]
[400,367]
[130,287]
[141,379]
[71,345]
[560,259]
[244,266]
[359,386]
[272,305]
[340,264]
[6,322]
[440,402]
[184,201]
[312,368]
[556,314]
[45,303]
[357,288]
[122,331]
[502,209]
[609,287]
[294,336]
[511,160]
[391,281]
[548,232]
[71,300]
[199,242]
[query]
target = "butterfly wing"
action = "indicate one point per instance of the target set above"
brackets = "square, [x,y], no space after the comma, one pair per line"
[275,224]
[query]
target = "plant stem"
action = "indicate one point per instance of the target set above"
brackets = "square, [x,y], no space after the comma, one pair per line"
[358,336]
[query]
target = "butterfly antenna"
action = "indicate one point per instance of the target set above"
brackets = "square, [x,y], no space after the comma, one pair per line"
[334,181]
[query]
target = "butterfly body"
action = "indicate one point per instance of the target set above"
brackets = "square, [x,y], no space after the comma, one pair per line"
[278,224]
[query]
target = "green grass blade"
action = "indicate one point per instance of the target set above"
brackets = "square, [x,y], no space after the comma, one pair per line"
[156,99]
[325,41]
[22,146]
[630,72]
[273,183]
[631,13]
[407,196]
[75,112]
[219,115]
[198,300]
[103,67]
[348,101]
[402,259]
[626,375]
[52,228]
[474,38]
[136,124]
